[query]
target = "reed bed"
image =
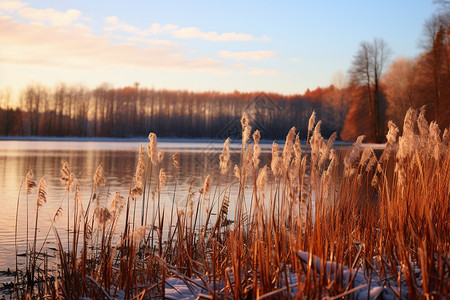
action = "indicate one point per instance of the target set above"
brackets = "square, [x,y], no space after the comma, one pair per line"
[316,225]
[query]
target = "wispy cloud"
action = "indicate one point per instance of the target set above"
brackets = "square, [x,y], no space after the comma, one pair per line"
[179,33]
[11,6]
[76,46]
[154,28]
[251,55]
[56,18]
[112,20]
[194,32]
[263,72]
[147,41]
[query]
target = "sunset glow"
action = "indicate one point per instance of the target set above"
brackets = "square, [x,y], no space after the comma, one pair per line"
[197,45]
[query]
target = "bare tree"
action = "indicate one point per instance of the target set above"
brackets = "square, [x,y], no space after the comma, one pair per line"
[400,85]
[365,75]
[434,67]
[5,98]
[32,98]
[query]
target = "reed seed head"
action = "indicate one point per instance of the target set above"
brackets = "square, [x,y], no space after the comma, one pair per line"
[176,160]
[42,193]
[103,216]
[139,175]
[206,185]
[162,179]
[275,164]
[151,148]
[237,172]
[29,182]
[99,177]
[67,178]
[288,148]
[261,181]
[139,235]
[256,136]
[312,121]
[160,156]
[224,158]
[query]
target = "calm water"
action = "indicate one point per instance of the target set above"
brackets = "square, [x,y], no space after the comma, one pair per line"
[118,159]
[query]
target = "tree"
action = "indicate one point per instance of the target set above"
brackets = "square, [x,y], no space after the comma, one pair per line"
[32,99]
[365,76]
[5,97]
[338,100]
[434,67]
[400,86]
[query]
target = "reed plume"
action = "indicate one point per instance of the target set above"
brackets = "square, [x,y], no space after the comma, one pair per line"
[139,175]
[29,182]
[435,141]
[42,193]
[325,150]
[256,149]
[103,216]
[261,183]
[246,130]
[99,177]
[224,158]
[317,143]
[391,142]
[352,156]
[408,142]
[312,121]
[237,172]
[276,161]
[176,160]
[162,179]
[117,204]
[206,185]
[138,235]
[160,156]
[288,148]
[67,178]
[151,148]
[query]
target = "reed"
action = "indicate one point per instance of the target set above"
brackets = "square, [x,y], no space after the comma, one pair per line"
[312,228]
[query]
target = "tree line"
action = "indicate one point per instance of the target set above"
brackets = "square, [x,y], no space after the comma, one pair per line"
[379,96]
[134,111]
[373,91]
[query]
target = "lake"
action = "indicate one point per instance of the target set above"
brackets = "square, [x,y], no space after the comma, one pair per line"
[118,158]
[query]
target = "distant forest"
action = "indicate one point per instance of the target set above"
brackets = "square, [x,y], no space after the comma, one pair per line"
[136,111]
[375,90]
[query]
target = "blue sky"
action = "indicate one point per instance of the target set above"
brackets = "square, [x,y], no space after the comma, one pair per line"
[277,46]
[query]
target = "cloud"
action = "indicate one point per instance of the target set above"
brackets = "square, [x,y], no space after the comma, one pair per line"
[295,59]
[194,32]
[259,72]
[179,33]
[111,20]
[154,29]
[77,47]
[11,6]
[251,55]
[56,18]
[147,41]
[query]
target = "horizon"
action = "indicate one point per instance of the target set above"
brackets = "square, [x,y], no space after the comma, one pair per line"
[198,46]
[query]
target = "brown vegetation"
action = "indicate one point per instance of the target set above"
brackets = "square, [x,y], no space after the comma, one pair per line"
[371,221]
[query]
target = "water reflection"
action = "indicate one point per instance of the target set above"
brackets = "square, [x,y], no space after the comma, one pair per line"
[118,159]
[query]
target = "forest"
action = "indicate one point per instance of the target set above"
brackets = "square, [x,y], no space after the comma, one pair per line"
[375,89]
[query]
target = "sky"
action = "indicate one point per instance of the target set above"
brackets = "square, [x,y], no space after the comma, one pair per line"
[273,46]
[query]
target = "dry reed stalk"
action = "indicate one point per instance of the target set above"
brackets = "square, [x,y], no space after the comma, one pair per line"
[391,230]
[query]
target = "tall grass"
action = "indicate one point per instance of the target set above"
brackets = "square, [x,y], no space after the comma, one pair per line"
[313,227]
